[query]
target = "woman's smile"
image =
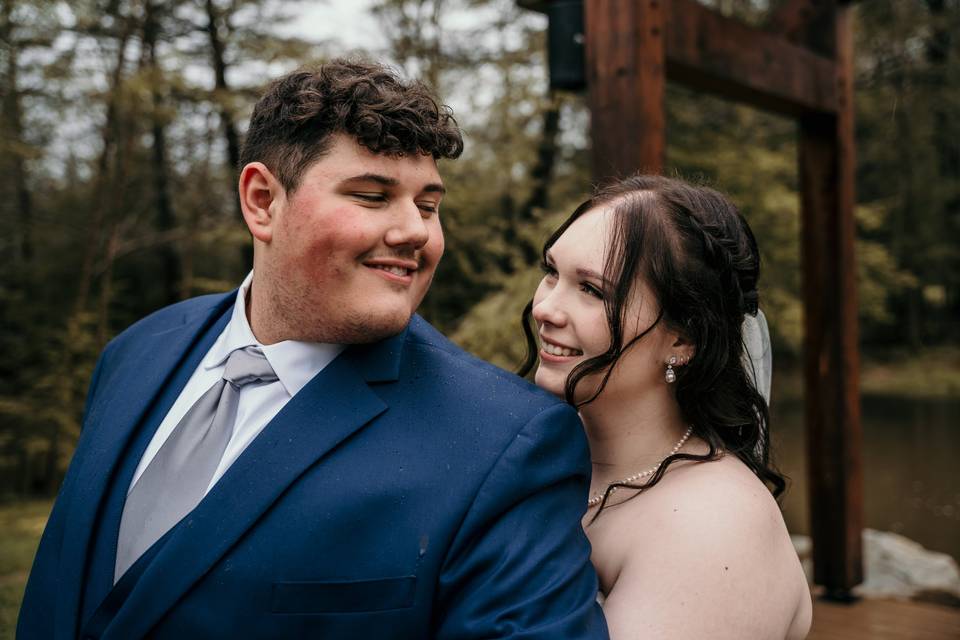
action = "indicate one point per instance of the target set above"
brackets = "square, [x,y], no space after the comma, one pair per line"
[552,351]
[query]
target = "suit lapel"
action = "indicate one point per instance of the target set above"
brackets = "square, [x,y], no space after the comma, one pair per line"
[333,406]
[131,388]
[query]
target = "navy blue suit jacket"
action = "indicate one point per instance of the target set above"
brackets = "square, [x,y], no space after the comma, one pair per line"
[408,491]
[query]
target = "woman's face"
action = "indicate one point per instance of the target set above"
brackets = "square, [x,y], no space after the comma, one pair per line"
[568,308]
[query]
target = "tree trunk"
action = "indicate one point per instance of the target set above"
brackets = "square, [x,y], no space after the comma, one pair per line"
[165,217]
[541,175]
[99,202]
[67,393]
[13,126]
[106,284]
[223,91]
[901,246]
[939,50]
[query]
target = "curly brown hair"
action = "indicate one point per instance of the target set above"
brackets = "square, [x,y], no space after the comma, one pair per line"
[292,125]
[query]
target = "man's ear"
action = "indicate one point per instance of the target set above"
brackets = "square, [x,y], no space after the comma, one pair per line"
[260,191]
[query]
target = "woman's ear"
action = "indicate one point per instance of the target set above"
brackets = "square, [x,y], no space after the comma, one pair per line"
[260,192]
[682,348]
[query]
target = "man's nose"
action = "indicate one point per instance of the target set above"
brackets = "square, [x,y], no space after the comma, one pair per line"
[409,227]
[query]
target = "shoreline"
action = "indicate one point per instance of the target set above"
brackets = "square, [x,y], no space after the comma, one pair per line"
[929,374]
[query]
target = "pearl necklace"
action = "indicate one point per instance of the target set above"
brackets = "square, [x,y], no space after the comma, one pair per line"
[598,497]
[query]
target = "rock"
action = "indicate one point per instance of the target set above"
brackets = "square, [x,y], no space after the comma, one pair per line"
[897,567]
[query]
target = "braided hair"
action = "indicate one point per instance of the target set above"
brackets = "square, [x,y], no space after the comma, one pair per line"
[700,259]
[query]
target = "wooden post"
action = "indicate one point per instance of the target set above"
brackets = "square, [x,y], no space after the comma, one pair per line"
[801,66]
[626,76]
[831,356]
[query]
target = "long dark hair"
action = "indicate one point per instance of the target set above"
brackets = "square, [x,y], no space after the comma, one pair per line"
[699,257]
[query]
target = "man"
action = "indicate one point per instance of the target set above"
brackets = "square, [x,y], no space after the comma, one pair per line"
[306,457]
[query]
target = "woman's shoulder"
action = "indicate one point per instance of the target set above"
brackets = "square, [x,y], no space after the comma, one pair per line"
[722,492]
[722,498]
[721,505]
[710,530]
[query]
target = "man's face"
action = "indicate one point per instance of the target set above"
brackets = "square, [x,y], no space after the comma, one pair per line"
[355,246]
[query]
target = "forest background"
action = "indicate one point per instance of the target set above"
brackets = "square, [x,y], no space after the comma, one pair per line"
[121,123]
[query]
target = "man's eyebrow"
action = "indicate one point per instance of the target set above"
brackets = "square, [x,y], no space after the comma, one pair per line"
[387,181]
[373,177]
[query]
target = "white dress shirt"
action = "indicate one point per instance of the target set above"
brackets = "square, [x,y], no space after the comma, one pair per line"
[295,363]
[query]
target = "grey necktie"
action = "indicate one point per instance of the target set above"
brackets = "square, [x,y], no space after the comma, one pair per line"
[176,479]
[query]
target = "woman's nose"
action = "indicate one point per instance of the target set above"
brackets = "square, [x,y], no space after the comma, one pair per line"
[547,308]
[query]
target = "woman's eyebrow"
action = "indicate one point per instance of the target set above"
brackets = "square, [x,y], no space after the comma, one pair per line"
[589,273]
[581,272]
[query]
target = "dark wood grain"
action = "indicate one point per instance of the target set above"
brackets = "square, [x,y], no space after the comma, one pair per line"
[831,355]
[720,55]
[626,77]
[884,620]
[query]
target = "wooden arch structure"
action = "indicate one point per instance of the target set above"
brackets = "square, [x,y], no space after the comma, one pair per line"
[800,64]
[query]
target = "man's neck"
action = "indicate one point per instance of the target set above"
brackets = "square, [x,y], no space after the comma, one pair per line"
[262,329]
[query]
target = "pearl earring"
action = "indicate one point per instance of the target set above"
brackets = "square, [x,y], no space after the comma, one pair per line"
[671,376]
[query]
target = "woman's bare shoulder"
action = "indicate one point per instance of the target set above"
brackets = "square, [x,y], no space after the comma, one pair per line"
[724,491]
[722,502]
[712,533]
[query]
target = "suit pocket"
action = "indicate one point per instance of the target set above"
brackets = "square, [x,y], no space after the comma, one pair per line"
[343,597]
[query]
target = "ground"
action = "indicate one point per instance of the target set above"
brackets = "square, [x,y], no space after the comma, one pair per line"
[21,524]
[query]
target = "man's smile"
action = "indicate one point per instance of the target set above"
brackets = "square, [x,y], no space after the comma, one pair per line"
[393,269]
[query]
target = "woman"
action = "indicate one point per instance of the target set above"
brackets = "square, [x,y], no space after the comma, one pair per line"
[638,321]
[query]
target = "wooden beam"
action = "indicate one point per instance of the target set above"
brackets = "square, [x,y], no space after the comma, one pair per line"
[804,22]
[831,356]
[627,81]
[710,52]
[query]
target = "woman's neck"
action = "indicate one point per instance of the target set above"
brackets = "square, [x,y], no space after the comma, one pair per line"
[628,435]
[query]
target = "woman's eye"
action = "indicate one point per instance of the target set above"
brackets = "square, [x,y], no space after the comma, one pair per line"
[591,290]
[548,269]
[428,207]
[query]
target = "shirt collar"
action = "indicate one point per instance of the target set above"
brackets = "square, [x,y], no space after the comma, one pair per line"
[295,362]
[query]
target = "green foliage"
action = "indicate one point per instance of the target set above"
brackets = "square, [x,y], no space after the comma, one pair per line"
[905,223]
[880,277]
[492,329]
[116,192]
[908,125]
[753,159]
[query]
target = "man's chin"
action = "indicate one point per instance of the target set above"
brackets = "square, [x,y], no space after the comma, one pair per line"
[376,327]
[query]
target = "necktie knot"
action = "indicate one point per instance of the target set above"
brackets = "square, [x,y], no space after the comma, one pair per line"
[248,365]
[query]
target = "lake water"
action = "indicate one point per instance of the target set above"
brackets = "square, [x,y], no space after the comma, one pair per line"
[911,457]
